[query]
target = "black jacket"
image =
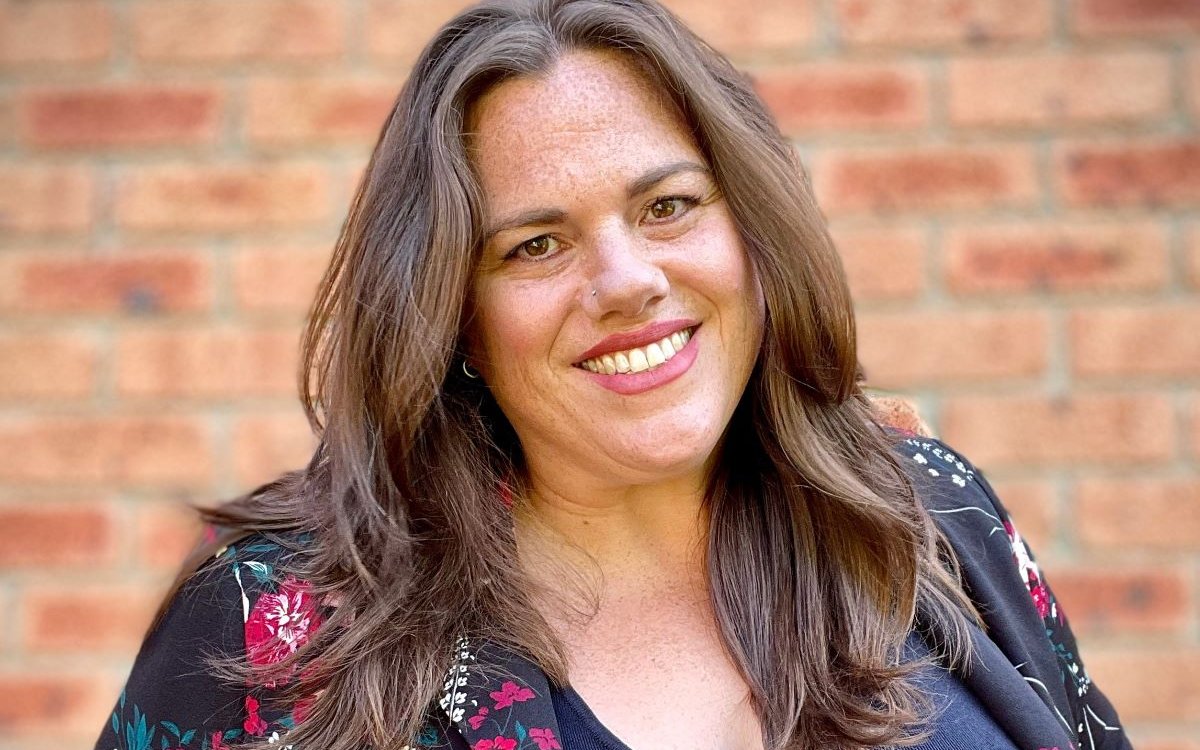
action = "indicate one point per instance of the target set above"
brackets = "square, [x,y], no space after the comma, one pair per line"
[1027,671]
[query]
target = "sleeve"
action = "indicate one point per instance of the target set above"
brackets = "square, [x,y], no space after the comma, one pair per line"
[1032,615]
[171,698]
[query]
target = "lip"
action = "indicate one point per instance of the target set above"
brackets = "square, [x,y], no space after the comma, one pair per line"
[619,342]
[631,384]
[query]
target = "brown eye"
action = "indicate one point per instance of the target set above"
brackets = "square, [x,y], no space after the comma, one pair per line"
[537,247]
[664,208]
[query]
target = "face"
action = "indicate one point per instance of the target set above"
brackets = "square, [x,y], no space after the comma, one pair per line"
[617,316]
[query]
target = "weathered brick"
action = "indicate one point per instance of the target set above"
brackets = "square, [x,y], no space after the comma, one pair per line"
[1149,682]
[267,444]
[121,115]
[882,262]
[1117,341]
[289,111]
[396,30]
[1193,256]
[222,198]
[92,618]
[55,32]
[40,700]
[886,180]
[1135,17]
[164,535]
[904,350]
[223,363]
[750,25]
[1191,79]
[1044,89]
[1096,429]
[46,199]
[828,96]
[1146,599]
[139,282]
[1031,503]
[939,23]
[47,365]
[59,533]
[275,279]
[1056,256]
[230,31]
[1127,515]
[118,450]
[1129,173]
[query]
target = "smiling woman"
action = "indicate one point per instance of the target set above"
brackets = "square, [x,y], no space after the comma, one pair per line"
[596,469]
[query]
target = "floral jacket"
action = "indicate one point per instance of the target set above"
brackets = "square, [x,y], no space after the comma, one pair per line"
[1027,672]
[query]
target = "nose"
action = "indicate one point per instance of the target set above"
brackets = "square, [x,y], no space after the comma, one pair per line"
[626,279]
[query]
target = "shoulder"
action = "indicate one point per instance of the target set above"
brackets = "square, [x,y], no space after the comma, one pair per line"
[945,480]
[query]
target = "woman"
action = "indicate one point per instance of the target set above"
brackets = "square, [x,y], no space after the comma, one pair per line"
[595,467]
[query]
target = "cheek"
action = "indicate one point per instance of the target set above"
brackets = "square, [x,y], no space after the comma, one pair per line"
[512,329]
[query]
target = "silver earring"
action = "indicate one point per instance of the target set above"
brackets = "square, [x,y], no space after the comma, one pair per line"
[469,371]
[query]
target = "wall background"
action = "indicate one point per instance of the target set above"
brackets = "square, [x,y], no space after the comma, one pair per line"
[1015,185]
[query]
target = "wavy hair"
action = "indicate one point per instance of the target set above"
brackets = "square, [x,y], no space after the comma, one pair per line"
[819,555]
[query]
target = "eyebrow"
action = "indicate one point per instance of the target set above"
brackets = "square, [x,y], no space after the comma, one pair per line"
[641,184]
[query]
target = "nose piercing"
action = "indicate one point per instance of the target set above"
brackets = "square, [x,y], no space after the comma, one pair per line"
[593,292]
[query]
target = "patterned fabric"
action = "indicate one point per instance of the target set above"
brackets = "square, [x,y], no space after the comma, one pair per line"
[1027,673]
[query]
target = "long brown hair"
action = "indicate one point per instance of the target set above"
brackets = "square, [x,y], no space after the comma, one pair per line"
[819,555]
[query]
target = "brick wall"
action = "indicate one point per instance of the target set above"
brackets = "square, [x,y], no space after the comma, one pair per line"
[1021,177]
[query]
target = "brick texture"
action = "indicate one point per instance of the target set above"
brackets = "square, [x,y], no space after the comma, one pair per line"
[1013,187]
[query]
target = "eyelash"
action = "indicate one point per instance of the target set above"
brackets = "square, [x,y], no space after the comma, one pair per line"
[688,203]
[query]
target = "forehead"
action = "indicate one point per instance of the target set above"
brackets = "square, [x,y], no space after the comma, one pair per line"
[592,116]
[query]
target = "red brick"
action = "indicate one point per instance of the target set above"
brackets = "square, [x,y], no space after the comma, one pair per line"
[222,198]
[880,181]
[396,30]
[915,349]
[207,363]
[121,450]
[44,199]
[1146,173]
[165,534]
[124,115]
[1195,427]
[231,31]
[1056,256]
[57,534]
[54,32]
[90,619]
[1044,89]
[265,445]
[133,281]
[1033,508]
[1163,341]
[750,25]
[290,111]
[1128,515]
[47,365]
[1148,683]
[829,96]
[1142,600]
[1136,17]
[882,262]
[937,23]
[1094,429]
[274,279]
[1193,256]
[40,701]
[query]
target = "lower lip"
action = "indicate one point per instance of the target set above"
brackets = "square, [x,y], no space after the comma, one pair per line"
[640,382]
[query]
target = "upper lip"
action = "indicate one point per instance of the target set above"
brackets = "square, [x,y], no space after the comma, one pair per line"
[619,342]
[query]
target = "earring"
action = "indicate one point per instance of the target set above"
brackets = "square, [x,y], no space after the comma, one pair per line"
[469,371]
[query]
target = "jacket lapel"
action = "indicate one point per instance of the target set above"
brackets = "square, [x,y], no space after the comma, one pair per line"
[498,700]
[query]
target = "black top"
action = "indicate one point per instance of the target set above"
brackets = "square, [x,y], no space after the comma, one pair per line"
[958,722]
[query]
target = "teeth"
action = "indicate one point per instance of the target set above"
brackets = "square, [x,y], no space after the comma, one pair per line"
[641,358]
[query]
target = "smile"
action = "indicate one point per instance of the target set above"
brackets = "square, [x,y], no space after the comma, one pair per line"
[639,358]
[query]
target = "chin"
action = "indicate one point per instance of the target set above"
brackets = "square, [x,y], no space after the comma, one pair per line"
[665,449]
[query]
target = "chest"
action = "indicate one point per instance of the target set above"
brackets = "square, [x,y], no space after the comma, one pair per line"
[655,674]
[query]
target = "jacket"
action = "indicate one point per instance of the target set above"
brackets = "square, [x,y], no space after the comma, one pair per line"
[1026,669]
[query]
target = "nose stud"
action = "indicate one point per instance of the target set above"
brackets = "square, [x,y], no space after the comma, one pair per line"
[593,292]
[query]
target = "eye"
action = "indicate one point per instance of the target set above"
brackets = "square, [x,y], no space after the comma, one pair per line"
[669,207]
[539,247]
